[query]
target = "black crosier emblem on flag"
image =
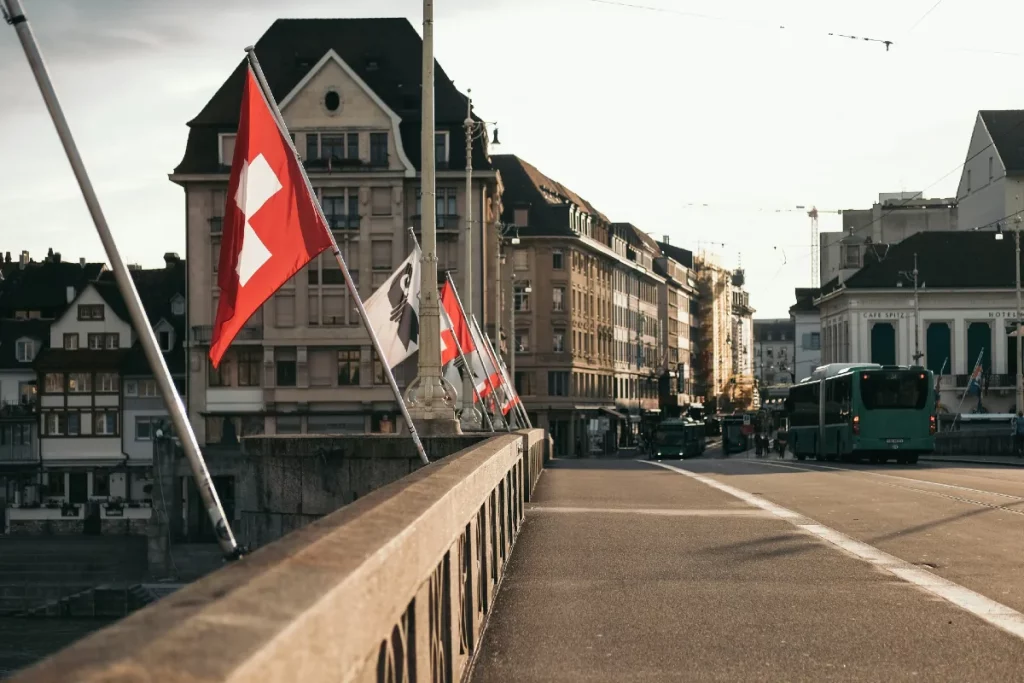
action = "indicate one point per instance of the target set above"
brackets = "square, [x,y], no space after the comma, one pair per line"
[402,312]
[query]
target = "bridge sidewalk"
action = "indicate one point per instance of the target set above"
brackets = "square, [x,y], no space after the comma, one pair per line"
[629,572]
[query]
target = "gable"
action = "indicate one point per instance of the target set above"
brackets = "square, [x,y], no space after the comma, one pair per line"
[974,173]
[69,323]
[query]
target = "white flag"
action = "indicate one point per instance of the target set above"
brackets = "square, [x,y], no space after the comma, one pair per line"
[394,311]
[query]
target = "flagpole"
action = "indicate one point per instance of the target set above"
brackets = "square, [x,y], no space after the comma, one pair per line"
[489,356]
[15,16]
[521,410]
[498,368]
[458,347]
[283,128]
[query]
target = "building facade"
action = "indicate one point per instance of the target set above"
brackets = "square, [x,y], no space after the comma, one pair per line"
[868,233]
[677,308]
[991,188]
[806,332]
[774,351]
[349,92]
[966,316]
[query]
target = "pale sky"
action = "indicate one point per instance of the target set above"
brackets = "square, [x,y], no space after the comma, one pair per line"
[644,113]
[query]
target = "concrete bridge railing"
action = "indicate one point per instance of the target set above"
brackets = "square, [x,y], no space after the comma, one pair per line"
[393,588]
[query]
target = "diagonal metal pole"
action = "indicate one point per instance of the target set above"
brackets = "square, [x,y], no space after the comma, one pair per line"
[353,290]
[147,338]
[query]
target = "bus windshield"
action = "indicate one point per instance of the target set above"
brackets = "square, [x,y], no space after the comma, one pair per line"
[894,390]
[670,437]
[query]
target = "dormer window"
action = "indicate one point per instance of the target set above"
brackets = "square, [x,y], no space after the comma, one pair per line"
[166,340]
[178,305]
[25,350]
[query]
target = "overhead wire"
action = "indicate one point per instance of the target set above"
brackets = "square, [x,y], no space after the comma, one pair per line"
[924,16]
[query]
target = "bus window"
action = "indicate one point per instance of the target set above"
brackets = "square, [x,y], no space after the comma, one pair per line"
[893,390]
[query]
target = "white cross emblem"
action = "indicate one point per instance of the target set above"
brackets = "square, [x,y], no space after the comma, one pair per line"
[257,183]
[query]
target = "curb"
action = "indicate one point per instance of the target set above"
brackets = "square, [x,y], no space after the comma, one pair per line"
[1015,462]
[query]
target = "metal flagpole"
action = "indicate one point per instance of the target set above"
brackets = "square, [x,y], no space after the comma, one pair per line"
[499,366]
[14,15]
[283,127]
[489,358]
[483,406]
[458,347]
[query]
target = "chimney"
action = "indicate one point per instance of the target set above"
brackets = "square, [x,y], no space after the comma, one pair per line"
[56,257]
[134,266]
[24,260]
[665,240]
[7,257]
[81,262]
[70,293]
[49,254]
[171,259]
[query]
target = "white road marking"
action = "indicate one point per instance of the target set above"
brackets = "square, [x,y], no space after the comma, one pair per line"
[662,512]
[990,611]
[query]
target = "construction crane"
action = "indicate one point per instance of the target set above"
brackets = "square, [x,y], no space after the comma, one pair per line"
[812,213]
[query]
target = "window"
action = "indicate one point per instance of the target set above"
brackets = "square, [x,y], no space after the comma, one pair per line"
[379,376]
[522,342]
[524,383]
[381,255]
[53,383]
[25,350]
[968,180]
[144,428]
[100,484]
[105,423]
[165,340]
[74,424]
[521,298]
[338,146]
[227,149]
[55,483]
[70,341]
[558,383]
[894,390]
[381,201]
[341,208]
[104,340]
[107,382]
[379,149]
[285,366]
[446,206]
[441,148]
[26,392]
[557,259]
[148,388]
[79,383]
[178,305]
[90,311]
[249,362]
[348,367]
[811,341]
[558,341]
[558,299]
[990,167]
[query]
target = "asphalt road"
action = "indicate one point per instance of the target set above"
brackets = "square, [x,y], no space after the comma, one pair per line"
[745,569]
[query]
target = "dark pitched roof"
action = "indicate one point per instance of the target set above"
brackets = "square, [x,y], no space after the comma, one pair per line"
[548,200]
[43,286]
[1006,128]
[779,330]
[950,260]
[640,237]
[13,330]
[157,288]
[387,54]
[678,254]
[805,300]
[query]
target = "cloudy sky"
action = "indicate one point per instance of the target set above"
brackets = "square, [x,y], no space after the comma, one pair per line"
[650,115]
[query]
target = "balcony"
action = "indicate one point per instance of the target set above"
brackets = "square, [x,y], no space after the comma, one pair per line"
[448,223]
[202,334]
[339,165]
[13,412]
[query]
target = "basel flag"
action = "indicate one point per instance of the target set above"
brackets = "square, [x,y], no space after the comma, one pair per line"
[271,225]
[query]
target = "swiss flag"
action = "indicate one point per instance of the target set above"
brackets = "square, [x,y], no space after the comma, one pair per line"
[457,327]
[271,224]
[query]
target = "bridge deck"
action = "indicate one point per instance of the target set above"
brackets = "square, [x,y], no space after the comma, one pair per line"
[625,571]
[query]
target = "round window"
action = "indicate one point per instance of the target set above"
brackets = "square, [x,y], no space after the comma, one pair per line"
[332,101]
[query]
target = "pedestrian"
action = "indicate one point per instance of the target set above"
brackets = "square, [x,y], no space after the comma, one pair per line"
[1018,435]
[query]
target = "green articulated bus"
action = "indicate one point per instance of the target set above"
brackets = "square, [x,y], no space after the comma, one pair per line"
[866,411]
[678,438]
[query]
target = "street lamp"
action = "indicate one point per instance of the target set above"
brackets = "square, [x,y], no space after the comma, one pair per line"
[1017,334]
[912,277]
[475,130]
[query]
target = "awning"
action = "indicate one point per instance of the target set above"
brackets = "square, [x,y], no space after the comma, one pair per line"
[614,413]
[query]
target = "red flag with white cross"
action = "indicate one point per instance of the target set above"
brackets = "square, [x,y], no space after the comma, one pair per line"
[271,225]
